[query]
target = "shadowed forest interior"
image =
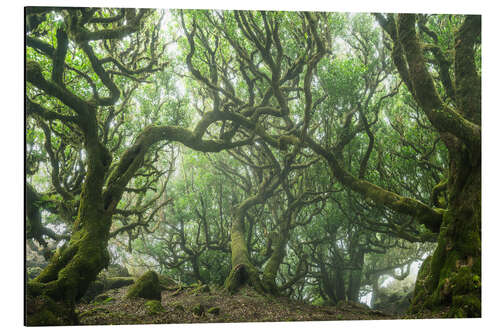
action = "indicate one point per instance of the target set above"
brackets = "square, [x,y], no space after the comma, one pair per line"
[224,166]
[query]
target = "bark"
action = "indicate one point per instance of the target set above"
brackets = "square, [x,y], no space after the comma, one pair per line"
[243,271]
[452,278]
[355,277]
[273,265]
[52,295]
[453,275]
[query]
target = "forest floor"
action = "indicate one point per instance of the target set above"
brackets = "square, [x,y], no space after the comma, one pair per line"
[201,305]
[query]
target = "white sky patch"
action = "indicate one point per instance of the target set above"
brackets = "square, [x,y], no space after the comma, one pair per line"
[173,51]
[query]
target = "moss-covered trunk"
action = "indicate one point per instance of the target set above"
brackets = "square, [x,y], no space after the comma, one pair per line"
[452,277]
[273,264]
[71,270]
[52,295]
[243,271]
[355,277]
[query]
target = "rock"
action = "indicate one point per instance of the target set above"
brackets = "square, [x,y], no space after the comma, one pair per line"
[154,307]
[147,286]
[393,303]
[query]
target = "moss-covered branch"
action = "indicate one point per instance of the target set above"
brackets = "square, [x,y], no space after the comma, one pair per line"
[35,76]
[133,158]
[441,116]
[33,108]
[468,81]
[427,216]
[133,20]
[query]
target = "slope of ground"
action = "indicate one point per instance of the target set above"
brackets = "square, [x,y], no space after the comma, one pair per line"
[199,304]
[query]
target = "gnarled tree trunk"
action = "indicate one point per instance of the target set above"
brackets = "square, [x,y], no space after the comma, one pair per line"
[355,276]
[52,295]
[453,275]
[452,278]
[242,271]
[273,264]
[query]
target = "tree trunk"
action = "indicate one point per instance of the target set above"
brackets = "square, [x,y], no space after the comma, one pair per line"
[375,290]
[453,275]
[52,295]
[355,276]
[243,271]
[340,285]
[273,265]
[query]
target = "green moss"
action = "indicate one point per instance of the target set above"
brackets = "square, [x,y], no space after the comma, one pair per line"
[92,312]
[118,282]
[464,281]
[147,286]
[465,306]
[178,307]
[199,289]
[198,309]
[214,310]
[422,285]
[44,317]
[453,279]
[236,278]
[154,307]
[43,311]
[103,299]
[33,272]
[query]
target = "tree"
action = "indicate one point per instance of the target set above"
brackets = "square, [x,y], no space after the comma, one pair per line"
[192,241]
[256,91]
[449,94]
[457,123]
[82,66]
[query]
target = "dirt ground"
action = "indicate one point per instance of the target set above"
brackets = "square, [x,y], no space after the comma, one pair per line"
[204,305]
